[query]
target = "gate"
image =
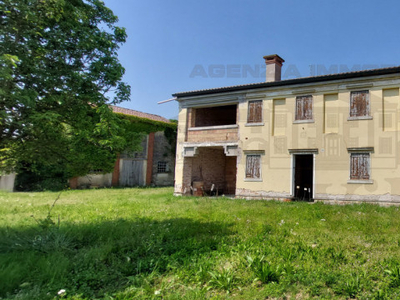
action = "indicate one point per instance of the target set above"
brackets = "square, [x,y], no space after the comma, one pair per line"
[132,172]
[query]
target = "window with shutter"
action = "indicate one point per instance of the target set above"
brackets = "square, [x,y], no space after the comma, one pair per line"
[359,104]
[304,108]
[359,166]
[254,114]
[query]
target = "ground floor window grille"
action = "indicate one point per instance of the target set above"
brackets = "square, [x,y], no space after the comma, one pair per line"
[162,167]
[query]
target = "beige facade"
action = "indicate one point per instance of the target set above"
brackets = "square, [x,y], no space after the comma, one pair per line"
[334,138]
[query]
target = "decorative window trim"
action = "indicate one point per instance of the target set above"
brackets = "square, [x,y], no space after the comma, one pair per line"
[303,151]
[361,150]
[254,152]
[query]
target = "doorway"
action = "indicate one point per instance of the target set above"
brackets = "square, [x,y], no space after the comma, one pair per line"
[303,168]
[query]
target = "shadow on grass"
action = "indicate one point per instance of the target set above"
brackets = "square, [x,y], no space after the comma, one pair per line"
[100,258]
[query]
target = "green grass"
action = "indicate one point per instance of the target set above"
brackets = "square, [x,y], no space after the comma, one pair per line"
[147,244]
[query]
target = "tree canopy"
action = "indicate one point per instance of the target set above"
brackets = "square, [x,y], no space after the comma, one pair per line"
[58,68]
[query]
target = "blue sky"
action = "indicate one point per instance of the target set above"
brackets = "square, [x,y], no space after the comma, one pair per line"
[183,45]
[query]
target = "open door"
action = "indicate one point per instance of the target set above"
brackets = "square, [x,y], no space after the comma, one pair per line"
[303,168]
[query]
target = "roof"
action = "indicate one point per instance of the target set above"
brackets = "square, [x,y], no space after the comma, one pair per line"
[131,112]
[312,79]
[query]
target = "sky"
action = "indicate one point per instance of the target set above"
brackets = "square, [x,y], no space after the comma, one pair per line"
[184,45]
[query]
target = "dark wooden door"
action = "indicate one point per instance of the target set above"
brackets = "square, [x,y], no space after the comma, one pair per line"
[303,176]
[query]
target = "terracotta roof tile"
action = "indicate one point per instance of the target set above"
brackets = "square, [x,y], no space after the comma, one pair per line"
[131,112]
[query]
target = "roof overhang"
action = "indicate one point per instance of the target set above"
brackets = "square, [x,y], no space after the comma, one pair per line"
[289,82]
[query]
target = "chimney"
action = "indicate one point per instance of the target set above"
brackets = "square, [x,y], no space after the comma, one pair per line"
[274,65]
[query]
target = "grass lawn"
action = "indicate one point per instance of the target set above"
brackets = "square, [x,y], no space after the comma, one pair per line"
[147,244]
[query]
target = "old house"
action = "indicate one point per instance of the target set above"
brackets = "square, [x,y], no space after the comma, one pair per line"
[334,138]
[152,166]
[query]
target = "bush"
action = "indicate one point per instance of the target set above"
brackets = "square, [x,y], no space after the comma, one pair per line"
[40,178]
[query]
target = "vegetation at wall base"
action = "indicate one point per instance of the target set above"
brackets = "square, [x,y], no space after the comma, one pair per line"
[143,243]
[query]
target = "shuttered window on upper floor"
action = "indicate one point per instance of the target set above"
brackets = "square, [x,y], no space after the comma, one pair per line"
[359,104]
[304,108]
[254,113]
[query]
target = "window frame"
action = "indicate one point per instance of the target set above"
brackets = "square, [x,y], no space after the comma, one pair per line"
[254,121]
[304,117]
[353,108]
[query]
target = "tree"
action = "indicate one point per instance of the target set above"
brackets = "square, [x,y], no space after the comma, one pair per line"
[58,68]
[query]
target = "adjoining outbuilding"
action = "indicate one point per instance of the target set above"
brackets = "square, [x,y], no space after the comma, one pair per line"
[152,166]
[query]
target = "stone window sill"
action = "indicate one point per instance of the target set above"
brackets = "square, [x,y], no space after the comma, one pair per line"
[359,118]
[253,124]
[253,179]
[303,121]
[360,181]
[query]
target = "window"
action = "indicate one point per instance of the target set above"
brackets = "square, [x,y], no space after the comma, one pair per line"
[359,166]
[360,162]
[359,104]
[304,108]
[162,167]
[254,113]
[253,166]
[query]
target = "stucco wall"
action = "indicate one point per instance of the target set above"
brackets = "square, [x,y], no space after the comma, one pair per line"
[330,135]
[181,185]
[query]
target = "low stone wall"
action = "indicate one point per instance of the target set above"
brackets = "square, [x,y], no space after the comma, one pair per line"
[94,180]
[7,182]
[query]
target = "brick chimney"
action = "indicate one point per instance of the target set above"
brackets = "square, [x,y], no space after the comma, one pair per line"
[274,65]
